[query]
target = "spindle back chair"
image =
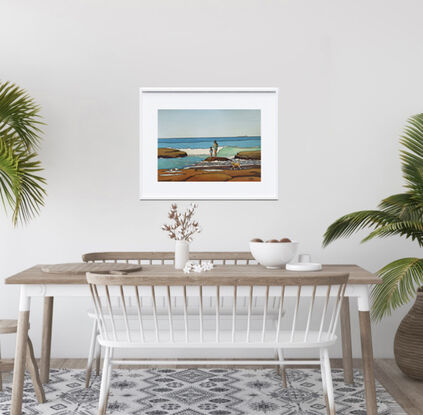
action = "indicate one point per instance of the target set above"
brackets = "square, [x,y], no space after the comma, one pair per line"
[150,258]
[319,299]
[169,257]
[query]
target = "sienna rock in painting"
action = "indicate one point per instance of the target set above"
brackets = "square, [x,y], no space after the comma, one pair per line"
[209,145]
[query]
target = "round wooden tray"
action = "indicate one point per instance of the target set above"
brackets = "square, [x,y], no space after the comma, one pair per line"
[83,267]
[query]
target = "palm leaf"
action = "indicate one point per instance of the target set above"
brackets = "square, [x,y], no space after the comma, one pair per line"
[400,280]
[348,224]
[412,155]
[413,230]
[404,206]
[21,187]
[19,116]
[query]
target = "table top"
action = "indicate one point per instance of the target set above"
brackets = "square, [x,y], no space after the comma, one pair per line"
[357,275]
[83,267]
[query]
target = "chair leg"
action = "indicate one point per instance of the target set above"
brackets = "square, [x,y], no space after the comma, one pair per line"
[105,382]
[97,358]
[323,373]
[32,367]
[329,385]
[91,352]
[282,368]
[109,374]
[1,378]
[278,369]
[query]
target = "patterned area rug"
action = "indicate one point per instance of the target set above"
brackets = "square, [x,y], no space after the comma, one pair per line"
[199,392]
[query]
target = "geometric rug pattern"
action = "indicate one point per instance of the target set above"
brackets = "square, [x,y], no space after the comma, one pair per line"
[211,391]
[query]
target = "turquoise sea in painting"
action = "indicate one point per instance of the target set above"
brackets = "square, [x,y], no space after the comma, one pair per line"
[198,148]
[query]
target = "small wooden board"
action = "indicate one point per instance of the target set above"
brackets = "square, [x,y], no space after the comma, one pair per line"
[77,268]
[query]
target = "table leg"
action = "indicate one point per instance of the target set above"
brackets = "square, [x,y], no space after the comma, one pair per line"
[346,341]
[46,339]
[20,353]
[367,353]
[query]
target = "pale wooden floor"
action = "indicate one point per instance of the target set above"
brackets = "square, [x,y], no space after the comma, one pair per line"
[407,392]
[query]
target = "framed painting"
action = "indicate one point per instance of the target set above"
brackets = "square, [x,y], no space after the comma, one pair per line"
[209,143]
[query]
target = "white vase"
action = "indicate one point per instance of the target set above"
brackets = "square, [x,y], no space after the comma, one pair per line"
[181,254]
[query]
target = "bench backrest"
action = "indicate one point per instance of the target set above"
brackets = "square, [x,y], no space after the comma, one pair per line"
[318,299]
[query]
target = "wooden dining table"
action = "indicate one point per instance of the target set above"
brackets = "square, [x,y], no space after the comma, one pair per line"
[34,282]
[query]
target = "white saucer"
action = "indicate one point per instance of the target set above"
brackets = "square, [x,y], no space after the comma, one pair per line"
[304,266]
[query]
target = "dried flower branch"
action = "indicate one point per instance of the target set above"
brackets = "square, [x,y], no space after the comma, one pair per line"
[183,227]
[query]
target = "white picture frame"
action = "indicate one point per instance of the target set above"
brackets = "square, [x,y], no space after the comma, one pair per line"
[154,99]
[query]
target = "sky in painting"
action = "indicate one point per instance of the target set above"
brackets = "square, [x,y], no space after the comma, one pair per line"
[208,123]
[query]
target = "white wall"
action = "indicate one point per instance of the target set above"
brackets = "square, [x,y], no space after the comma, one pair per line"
[349,74]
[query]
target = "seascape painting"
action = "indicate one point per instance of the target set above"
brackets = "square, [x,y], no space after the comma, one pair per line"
[199,145]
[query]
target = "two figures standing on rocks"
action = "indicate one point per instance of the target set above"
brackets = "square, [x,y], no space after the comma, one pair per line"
[213,149]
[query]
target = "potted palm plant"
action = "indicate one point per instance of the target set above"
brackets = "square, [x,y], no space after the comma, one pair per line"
[402,279]
[21,188]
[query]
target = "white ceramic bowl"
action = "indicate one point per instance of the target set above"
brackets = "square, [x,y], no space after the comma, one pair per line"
[273,255]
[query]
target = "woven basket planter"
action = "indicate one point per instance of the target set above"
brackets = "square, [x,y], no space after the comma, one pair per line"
[408,344]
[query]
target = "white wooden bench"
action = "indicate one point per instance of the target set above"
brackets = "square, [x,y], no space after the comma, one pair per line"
[187,327]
